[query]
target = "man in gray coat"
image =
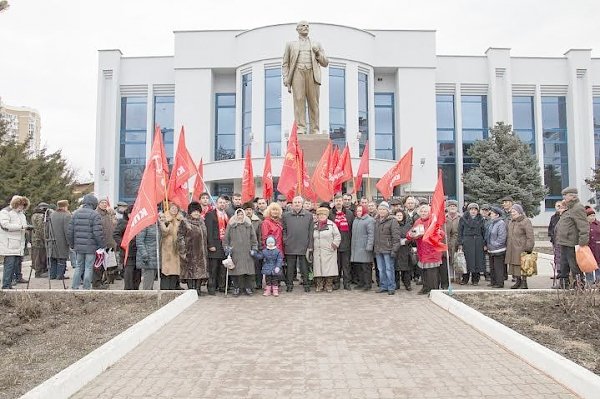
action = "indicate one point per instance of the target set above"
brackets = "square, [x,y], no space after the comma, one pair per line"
[58,244]
[572,232]
[297,230]
[85,236]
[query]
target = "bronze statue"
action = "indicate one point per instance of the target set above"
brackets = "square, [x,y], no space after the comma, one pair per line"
[302,62]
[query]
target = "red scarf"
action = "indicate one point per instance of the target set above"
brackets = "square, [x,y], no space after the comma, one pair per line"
[205,211]
[223,218]
[341,222]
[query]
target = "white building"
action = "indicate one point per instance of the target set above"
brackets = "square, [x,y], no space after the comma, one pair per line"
[389,87]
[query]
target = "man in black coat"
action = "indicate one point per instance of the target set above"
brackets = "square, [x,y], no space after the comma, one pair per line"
[297,231]
[216,223]
[343,218]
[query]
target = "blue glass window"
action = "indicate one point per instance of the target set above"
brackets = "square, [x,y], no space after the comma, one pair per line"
[446,145]
[384,126]
[597,129]
[132,154]
[556,163]
[222,189]
[224,126]
[475,125]
[246,111]
[273,110]
[524,120]
[337,106]
[363,110]
[164,116]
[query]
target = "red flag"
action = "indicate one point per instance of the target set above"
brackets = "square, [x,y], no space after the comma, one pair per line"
[342,171]
[199,183]
[401,173]
[333,161]
[288,179]
[434,234]
[144,211]
[159,156]
[248,188]
[306,190]
[183,170]
[363,168]
[267,177]
[320,179]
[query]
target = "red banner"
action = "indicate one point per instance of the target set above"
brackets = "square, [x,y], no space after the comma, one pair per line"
[342,171]
[363,168]
[248,187]
[199,183]
[289,177]
[434,234]
[320,179]
[401,173]
[267,177]
[183,170]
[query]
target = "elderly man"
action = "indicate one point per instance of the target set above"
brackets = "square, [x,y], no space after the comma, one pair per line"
[301,70]
[343,219]
[507,203]
[572,231]
[297,230]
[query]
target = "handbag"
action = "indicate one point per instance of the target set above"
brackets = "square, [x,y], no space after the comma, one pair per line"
[460,262]
[110,260]
[529,264]
[585,260]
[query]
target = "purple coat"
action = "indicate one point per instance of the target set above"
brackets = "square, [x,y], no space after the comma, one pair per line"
[595,239]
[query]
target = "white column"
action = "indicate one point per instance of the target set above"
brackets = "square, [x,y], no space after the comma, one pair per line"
[460,188]
[499,89]
[539,133]
[371,105]
[352,107]
[149,119]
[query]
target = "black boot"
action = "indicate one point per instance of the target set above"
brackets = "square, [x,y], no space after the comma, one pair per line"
[236,291]
[517,284]
[523,283]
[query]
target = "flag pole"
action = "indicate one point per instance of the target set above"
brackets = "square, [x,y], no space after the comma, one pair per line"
[450,289]
[158,262]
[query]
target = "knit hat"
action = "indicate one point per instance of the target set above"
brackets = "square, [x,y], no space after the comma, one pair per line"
[518,208]
[485,207]
[590,211]
[62,204]
[472,205]
[270,240]
[569,190]
[384,204]
[194,206]
[498,211]
[452,203]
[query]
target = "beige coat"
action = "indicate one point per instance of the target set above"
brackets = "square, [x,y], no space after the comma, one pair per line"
[519,239]
[324,256]
[169,257]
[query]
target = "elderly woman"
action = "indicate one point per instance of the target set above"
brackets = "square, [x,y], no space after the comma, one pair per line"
[519,239]
[429,258]
[594,242]
[169,253]
[132,276]
[240,242]
[325,242]
[13,225]
[146,258]
[387,241]
[361,246]
[471,240]
[403,266]
[192,243]
[495,237]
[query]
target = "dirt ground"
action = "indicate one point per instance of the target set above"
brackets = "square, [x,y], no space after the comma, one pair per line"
[573,333]
[41,333]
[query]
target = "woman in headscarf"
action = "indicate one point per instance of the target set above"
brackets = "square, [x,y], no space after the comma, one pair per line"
[240,242]
[361,248]
[192,247]
[519,239]
[471,240]
[325,242]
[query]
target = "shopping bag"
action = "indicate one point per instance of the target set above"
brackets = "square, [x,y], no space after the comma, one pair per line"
[585,260]
[460,263]
[529,264]
[110,259]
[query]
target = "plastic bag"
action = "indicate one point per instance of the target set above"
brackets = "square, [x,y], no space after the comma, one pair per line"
[110,259]
[529,264]
[460,263]
[228,263]
[585,260]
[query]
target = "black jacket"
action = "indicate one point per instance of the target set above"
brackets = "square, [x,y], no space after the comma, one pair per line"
[85,234]
[346,235]
[212,234]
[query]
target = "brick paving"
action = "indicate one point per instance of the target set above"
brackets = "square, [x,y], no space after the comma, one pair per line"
[339,345]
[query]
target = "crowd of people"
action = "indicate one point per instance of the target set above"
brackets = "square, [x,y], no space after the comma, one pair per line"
[343,244]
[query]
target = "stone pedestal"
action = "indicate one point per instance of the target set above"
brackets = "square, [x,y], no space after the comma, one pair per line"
[313,146]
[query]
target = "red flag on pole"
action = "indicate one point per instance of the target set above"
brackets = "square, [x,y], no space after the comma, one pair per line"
[288,179]
[144,211]
[159,156]
[342,171]
[307,190]
[199,183]
[363,168]
[248,188]
[267,177]
[183,170]
[434,234]
[333,161]
[401,173]
[320,179]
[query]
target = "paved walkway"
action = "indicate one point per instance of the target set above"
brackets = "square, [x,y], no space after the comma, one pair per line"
[339,345]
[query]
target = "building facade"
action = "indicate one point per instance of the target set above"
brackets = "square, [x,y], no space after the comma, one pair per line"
[23,123]
[387,87]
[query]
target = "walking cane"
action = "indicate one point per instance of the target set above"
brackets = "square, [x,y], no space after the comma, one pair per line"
[226,281]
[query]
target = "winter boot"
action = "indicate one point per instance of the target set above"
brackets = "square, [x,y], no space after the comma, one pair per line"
[275,290]
[329,284]
[319,284]
[517,284]
[267,290]
[523,283]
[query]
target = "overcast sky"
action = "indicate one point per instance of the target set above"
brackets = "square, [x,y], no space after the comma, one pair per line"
[48,49]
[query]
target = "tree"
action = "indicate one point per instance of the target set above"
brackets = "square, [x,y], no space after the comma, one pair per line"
[42,177]
[4,5]
[505,166]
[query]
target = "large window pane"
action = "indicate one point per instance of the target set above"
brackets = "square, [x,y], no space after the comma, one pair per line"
[273,110]
[164,114]
[446,144]
[226,121]
[363,109]
[384,126]
[597,129]
[132,149]
[555,148]
[225,126]
[246,111]
[475,126]
[337,106]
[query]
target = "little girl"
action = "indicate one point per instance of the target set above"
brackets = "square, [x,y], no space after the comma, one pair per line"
[271,268]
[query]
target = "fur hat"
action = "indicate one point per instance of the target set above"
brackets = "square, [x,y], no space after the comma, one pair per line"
[384,204]
[472,205]
[62,204]
[518,208]
[452,203]
[18,200]
[194,206]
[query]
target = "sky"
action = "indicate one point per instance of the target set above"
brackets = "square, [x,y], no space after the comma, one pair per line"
[49,48]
